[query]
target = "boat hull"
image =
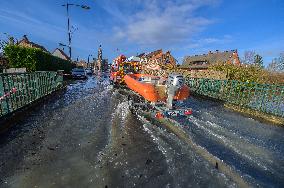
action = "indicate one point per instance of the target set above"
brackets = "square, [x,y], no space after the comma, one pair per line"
[153,92]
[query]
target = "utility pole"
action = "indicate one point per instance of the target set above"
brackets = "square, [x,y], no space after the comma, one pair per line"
[68,24]
[69,32]
[89,59]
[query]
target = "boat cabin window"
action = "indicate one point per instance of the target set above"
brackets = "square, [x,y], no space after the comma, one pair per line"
[128,68]
[114,69]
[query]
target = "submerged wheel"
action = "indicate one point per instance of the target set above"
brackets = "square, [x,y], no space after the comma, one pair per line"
[115,85]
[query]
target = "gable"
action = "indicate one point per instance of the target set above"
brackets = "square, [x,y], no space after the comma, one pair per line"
[60,53]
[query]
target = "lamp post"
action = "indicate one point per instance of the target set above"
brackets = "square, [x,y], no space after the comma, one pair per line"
[89,59]
[68,23]
[61,44]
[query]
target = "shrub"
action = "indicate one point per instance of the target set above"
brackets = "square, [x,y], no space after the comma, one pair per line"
[34,59]
[245,73]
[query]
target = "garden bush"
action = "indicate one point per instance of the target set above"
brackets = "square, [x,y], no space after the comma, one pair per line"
[34,59]
[246,73]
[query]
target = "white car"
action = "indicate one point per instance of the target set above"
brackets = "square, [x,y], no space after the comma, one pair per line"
[79,73]
[89,71]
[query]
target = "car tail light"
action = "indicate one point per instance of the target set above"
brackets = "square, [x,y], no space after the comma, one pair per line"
[159,115]
[188,112]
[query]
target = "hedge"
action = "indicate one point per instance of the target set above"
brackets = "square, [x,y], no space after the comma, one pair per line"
[248,73]
[34,59]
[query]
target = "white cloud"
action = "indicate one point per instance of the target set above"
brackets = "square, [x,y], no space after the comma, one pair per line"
[206,43]
[158,22]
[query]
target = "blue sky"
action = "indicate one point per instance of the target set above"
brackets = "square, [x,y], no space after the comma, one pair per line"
[185,27]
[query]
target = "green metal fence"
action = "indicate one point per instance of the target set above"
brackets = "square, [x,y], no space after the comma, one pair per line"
[266,98]
[20,89]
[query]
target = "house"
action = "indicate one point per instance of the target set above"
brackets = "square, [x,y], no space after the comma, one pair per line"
[157,60]
[25,42]
[203,61]
[61,54]
[159,56]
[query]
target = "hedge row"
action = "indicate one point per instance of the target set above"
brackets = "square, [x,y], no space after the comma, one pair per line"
[248,73]
[34,59]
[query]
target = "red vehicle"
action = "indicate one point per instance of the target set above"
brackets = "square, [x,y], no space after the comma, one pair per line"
[121,67]
[115,76]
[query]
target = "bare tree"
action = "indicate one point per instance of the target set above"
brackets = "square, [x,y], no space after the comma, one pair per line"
[249,57]
[3,43]
[277,64]
[9,40]
[281,62]
[272,66]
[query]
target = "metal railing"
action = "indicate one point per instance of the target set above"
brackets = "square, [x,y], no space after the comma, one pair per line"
[266,98]
[20,89]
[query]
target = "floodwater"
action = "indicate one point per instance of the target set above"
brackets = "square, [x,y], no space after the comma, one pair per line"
[253,148]
[86,136]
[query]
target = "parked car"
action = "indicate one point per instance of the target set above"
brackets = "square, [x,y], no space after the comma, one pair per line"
[79,73]
[89,71]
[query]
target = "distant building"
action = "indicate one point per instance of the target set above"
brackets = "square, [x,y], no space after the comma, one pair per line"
[61,54]
[25,42]
[105,64]
[92,63]
[203,61]
[82,63]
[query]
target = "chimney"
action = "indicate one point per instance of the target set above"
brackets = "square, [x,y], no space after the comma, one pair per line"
[25,37]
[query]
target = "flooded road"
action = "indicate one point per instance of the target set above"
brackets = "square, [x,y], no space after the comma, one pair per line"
[87,137]
[253,148]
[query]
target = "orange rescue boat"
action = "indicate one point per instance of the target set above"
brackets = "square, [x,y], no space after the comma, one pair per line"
[156,89]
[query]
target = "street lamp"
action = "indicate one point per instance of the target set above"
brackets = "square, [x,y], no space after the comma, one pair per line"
[61,44]
[89,59]
[68,23]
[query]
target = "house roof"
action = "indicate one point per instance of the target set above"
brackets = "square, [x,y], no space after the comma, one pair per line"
[154,53]
[151,54]
[62,52]
[141,55]
[34,45]
[210,58]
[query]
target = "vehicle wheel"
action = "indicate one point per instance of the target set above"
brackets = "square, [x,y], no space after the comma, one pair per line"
[115,85]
